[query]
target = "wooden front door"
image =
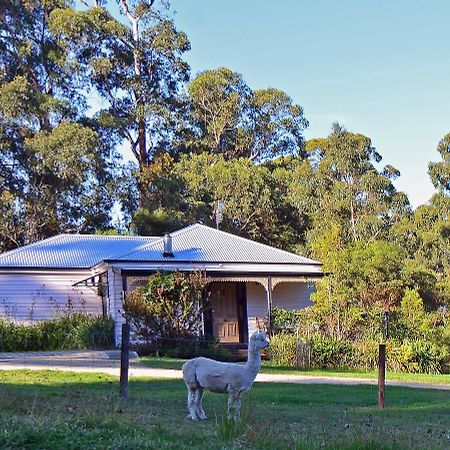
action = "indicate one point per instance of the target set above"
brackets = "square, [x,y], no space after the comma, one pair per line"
[225,312]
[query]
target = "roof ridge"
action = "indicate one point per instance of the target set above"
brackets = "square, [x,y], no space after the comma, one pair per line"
[256,242]
[157,241]
[235,236]
[107,236]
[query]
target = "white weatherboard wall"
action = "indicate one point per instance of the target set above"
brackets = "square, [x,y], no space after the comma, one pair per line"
[115,296]
[292,295]
[40,296]
[256,305]
[285,295]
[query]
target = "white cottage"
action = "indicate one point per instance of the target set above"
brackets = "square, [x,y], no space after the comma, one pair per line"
[91,274]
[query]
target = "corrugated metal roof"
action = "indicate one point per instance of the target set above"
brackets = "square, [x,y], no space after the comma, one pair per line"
[76,251]
[199,243]
[196,244]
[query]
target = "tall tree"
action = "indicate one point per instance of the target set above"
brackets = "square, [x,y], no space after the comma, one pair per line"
[136,67]
[55,170]
[440,171]
[350,190]
[426,235]
[233,120]
[220,101]
[191,188]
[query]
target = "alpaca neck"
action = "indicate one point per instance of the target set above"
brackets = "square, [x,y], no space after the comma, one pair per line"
[253,362]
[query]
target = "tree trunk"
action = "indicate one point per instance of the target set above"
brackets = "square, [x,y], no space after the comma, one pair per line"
[143,155]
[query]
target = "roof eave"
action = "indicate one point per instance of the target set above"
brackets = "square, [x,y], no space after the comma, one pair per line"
[248,268]
[40,268]
[172,260]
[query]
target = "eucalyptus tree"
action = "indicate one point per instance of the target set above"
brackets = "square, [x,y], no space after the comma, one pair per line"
[231,119]
[426,235]
[220,107]
[135,66]
[55,171]
[190,189]
[439,171]
[349,207]
[350,190]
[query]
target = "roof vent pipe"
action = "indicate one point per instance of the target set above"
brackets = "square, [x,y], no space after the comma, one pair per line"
[168,252]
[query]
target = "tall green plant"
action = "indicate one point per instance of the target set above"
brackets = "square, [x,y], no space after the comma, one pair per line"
[55,167]
[169,306]
[69,332]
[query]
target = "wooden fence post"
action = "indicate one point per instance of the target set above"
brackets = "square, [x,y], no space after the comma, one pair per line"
[124,360]
[381,374]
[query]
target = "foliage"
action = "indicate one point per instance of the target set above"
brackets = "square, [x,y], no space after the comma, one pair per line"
[70,332]
[282,350]
[416,356]
[364,284]
[419,340]
[350,191]
[283,320]
[331,352]
[240,185]
[135,65]
[168,307]
[237,122]
[56,173]
[188,191]
[412,321]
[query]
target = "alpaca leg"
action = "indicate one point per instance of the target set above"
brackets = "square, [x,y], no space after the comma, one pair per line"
[191,404]
[237,408]
[232,398]
[198,404]
[230,405]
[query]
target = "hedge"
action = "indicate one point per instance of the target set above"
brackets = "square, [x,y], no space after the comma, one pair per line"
[70,332]
[412,356]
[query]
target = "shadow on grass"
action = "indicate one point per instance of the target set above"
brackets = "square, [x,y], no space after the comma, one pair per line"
[73,410]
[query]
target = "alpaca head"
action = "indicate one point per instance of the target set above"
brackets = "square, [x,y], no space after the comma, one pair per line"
[258,340]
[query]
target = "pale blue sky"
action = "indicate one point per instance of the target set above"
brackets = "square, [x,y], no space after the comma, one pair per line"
[380,68]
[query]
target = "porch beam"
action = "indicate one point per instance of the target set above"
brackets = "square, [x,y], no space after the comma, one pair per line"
[269,302]
[233,279]
[278,280]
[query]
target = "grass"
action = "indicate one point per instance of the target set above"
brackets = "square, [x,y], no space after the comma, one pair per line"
[168,363]
[64,410]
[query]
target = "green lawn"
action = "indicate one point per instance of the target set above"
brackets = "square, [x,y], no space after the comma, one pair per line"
[63,410]
[169,363]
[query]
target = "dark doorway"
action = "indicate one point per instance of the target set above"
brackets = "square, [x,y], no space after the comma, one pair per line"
[226,319]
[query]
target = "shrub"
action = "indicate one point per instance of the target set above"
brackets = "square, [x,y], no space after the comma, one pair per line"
[365,355]
[322,352]
[331,352]
[283,350]
[416,356]
[70,332]
[284,321]
[168,308]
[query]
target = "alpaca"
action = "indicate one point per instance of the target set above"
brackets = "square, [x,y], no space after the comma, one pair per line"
[232,378]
